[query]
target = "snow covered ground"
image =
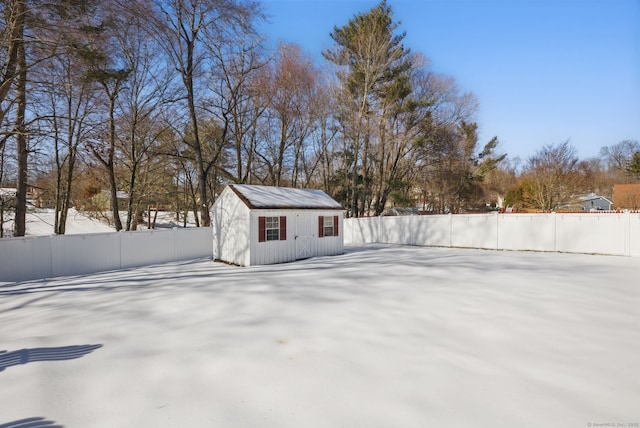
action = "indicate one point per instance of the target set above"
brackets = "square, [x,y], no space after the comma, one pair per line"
[383,336]
[39,222]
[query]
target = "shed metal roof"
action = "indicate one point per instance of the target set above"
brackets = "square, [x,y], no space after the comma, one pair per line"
[271,197]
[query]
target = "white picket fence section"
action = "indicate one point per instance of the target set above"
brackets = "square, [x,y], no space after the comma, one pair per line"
[38,257]
[612,233]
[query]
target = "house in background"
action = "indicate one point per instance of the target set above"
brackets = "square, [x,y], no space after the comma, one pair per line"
[626,196]
[259,225]
[593,202]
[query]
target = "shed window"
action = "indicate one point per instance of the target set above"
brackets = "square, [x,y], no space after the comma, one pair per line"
[272,228]
[328,226]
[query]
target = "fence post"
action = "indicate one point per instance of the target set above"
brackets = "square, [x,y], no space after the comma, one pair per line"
[495,213]
[50,238]
[627,233]
[554,222]
[175,244]
[412,230]
[120,245]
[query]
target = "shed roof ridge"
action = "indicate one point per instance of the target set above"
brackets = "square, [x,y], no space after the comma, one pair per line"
[279,197]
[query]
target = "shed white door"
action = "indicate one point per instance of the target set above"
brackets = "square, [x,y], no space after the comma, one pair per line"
[306,235]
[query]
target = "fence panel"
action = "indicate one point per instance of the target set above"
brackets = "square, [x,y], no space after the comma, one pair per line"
[25,258]
[361,230]
[530,232]
[591,233]
[396,230]
[28,258]
[193,243]
[474,231]
[611,233]
[420,230]
[147,247]
[634,235]
[82,254]
[433,230]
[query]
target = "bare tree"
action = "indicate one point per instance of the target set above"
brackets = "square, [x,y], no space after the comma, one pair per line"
[617,156]
[141,111]
[553,176]
[289,93]
[450,165]
[72,119]
[12,30]
[238,85]
[13,74]
[188,29]
[111,82]
[320,165]
[20,131]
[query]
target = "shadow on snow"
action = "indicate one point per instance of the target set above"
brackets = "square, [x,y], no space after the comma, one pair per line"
[30,355]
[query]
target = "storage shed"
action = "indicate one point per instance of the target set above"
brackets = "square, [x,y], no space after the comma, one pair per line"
[259,225]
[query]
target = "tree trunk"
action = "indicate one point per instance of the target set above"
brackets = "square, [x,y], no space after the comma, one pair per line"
[354,185]
[66,194]
[21,131]
[110,166]
[114,199]
[14,45]
[200,168]
[130,202]
[58,195]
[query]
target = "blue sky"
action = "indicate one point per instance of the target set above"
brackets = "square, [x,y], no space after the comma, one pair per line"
[544,71]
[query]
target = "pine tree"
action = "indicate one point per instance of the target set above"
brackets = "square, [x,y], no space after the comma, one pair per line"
[633,168]
[373,72]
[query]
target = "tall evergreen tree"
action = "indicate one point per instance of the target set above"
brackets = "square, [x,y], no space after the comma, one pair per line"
[633,169]
[373,69]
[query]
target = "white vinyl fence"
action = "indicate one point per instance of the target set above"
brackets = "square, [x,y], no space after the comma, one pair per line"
[38,257]
[611,233]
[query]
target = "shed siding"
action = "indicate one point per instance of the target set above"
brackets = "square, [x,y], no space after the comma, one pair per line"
[269,252]
[285,250]
[230,220]
[331,245]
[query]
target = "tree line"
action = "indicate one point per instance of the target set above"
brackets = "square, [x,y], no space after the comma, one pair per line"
[115,106]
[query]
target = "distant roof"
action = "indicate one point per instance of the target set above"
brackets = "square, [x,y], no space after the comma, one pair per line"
[269,197]
[592,197]
[119,194]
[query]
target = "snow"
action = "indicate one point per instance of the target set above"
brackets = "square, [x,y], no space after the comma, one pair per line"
[40,223]
[8,192]
[285,197]
[381,336]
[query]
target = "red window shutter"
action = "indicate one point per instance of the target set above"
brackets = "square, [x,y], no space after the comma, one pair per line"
[335,225]
[283,228]
[262,229]
[321,227]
